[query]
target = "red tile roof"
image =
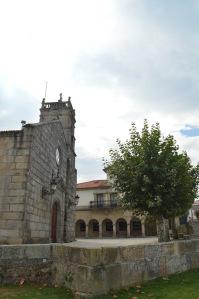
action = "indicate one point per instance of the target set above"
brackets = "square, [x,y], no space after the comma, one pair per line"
[96,184]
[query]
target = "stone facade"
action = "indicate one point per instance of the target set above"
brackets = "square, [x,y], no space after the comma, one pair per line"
[99,214]
[38,178]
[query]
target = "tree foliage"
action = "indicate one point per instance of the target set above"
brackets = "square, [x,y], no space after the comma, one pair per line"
[151,174]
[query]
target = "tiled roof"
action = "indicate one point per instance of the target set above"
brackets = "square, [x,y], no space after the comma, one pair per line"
[96,184]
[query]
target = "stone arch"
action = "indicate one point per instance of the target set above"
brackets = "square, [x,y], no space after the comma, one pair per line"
[93,228]
[150,226]
[80,229]
[56,222]
[121,228]
[135,227]
[107,228]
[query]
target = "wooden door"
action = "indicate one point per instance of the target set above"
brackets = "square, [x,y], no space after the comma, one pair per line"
[54,224]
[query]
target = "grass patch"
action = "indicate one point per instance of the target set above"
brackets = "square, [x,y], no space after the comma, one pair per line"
[34,292]
[179,286]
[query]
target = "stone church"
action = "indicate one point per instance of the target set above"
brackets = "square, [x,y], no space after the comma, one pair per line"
[38,178]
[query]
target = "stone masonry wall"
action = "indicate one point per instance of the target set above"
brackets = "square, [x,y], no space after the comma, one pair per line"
[14,163]
[47,137]
[90,271]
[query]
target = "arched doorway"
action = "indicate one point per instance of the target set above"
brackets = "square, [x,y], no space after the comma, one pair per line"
[80,229]
[135,227]
[150,226]
[107,228]
[121,228]
[93,229]
[55,223]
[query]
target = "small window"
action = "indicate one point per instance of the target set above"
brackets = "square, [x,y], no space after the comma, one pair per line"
[100,199]
[113,199]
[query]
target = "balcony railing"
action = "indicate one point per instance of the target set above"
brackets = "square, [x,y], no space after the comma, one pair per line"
[103,204]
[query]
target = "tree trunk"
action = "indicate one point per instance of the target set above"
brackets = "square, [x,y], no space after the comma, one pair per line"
[163,229]
[174,229]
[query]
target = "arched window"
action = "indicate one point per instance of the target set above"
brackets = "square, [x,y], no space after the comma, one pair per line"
[80,229]
[121,228]
[107,228]
[93,228]
[135,227]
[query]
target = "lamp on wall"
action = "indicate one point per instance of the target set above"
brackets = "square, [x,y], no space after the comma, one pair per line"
[73,201]
[76,200]
[53,186]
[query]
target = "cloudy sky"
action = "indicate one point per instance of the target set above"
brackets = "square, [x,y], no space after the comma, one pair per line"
[120,61]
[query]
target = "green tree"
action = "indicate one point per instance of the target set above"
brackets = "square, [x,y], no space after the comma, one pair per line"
[152,176]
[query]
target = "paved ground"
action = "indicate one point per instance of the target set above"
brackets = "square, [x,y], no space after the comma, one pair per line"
[97,243]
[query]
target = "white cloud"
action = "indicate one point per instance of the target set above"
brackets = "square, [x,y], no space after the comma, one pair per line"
[120,61]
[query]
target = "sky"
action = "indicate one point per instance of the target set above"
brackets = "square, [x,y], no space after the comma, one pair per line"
[120,61]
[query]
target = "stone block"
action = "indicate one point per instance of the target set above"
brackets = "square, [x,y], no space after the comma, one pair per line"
[12,216]
[82,278]
[38,251]
[177,263]
[96,280]
[195,245]
[6,159]
[4,207]
[4,167]
[131,253]
[17,207]
[194,260]
[182,247]
[10,224]
[17,185]
[167,248]
[21,159]
[15,200]
[10,233]
[18,192]
[132,272]
[112,277]
[152,251]
[21,165]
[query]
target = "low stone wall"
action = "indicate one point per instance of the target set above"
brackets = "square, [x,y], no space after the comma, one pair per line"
[32,262]
[89,271]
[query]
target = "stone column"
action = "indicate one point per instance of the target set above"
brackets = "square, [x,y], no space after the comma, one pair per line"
[100,230]
[128,230]
[143,229]
[114,230]
[86,234]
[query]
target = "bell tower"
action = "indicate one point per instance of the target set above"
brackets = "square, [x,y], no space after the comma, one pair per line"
[63,111]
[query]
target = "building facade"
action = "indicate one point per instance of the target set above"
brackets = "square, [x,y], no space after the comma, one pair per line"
[192,212]
[38,178]
[99,214]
